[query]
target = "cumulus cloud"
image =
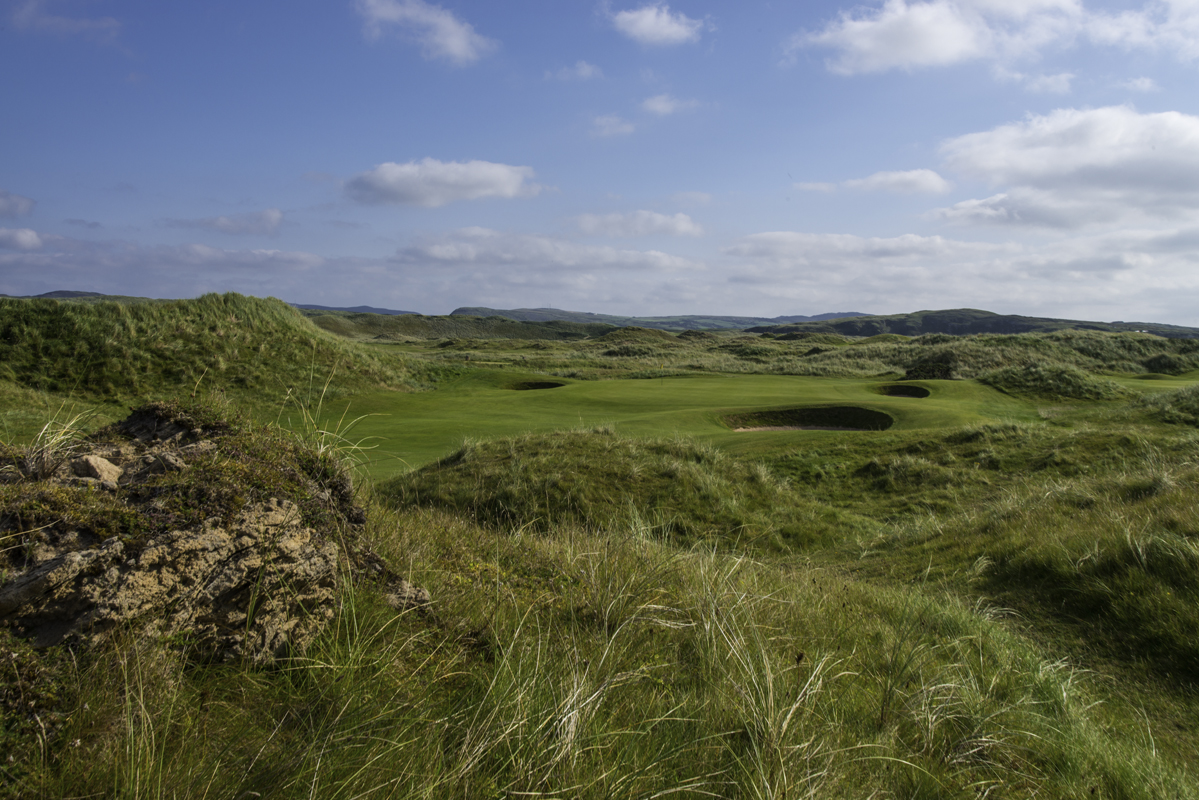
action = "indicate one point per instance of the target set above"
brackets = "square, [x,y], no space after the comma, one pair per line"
[482,247]
[14,205]
[910,34]
[1072,168]
[664,105]
[611,125]
[32,15]
[432,183]
[581,71]
[439,32]
[259,223]
[19,239]
[656,24]
[638,223]
[912,181]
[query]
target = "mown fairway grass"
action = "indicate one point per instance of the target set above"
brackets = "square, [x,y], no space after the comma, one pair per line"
[409,430]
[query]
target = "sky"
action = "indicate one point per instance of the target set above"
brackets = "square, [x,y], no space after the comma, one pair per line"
[758,158]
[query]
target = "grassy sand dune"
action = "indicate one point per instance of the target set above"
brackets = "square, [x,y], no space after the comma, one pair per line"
[994,596]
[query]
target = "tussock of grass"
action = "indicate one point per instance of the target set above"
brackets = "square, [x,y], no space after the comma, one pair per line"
[596,666]
[1179,407]
[690,491]
[1053,381]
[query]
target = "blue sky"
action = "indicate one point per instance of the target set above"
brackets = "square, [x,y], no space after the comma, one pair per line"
[762,158]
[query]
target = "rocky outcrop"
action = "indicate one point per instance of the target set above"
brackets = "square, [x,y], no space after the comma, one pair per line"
[256,579]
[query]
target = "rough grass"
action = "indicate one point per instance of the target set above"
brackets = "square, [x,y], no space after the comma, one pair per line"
[636,352]
[1006,609]
[689,492]
[597,665]
[1179,407]
[418,326]
[126,350]
[1053,381]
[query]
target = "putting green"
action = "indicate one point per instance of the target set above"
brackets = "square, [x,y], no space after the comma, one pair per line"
[409,430]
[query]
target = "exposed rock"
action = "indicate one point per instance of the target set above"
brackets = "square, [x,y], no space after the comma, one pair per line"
[246,590]
[256,580]
[98,467]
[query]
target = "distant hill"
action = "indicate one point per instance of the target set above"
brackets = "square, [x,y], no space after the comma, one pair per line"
[351,310]
[62,294]
[683,322]
[964,321]
[418,326]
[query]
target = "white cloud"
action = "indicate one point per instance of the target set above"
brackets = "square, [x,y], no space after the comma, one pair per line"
[1072,168]
[14,205]
[20,239]
[581,71]
[432,183]
[1121,275]
[440,33]
[638,223]
[611,125]
[910,34]
[259,223]
[1140,85]
[655,24]
[664,104]
[912,181]
[32,16]
[481,247]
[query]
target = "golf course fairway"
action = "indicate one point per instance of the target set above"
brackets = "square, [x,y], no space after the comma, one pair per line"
[408,430]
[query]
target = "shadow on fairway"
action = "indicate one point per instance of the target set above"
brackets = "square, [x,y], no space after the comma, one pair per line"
[525,386]
[902,390]
[835,418]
